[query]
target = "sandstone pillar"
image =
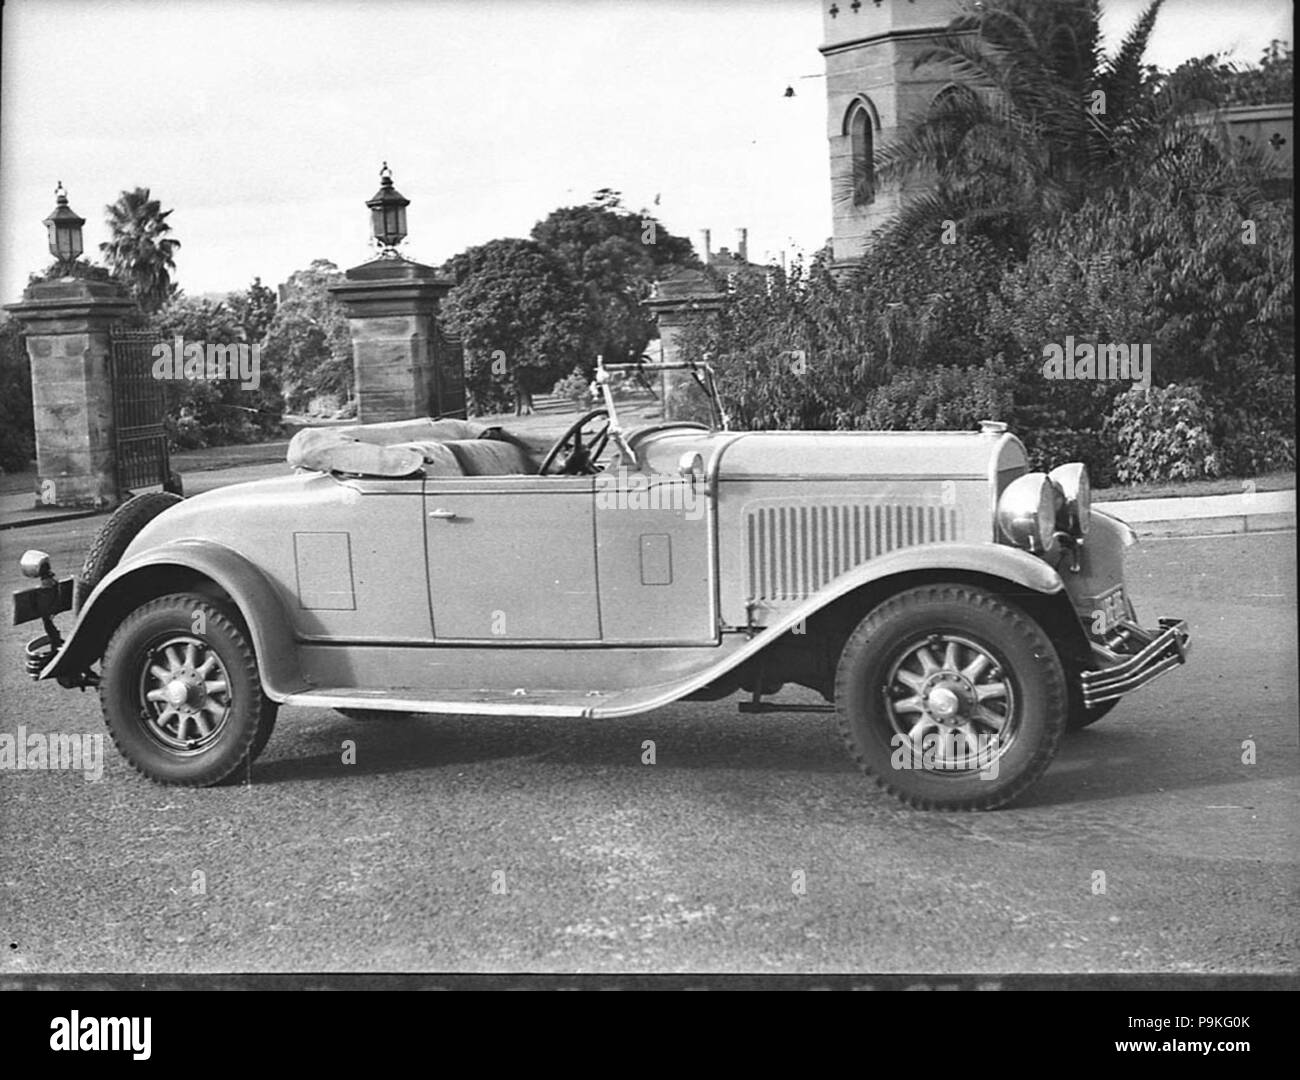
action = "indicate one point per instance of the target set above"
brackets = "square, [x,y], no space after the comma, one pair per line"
[405,364]
[686,299]
[67,325]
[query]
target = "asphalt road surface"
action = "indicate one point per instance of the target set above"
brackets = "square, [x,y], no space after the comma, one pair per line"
[461,844]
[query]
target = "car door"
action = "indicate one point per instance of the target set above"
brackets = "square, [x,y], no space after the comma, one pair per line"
[654,558]
[512,559]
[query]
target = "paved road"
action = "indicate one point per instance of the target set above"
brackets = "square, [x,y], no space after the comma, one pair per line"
[687,865]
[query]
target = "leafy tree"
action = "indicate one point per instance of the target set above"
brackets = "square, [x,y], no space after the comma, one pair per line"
[1222,83]
[202,413]
[806,350]
[1272,81]
[17,430]
[254,310]
[791,350]
[1038,119]
[308,345]
[522,317]
[141,254]
[1198,267]
[616,254]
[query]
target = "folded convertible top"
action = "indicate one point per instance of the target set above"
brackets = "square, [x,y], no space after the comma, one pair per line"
[375,449]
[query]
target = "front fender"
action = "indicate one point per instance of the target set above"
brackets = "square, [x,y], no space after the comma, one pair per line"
[132,581]
[992,560]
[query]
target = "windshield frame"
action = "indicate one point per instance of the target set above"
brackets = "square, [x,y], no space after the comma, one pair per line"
[702,373]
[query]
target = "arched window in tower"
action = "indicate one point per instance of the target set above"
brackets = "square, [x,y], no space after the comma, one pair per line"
[862,141]
[862,127]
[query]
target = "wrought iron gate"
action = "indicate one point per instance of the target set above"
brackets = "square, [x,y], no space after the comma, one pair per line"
[139,403]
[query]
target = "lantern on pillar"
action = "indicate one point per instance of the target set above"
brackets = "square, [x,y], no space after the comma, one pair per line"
[64,228]
[388,214]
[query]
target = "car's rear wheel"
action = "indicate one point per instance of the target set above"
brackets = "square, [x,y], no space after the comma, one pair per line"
[951,698]
[181,693]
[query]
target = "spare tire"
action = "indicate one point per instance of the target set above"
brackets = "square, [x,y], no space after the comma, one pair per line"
[116,535]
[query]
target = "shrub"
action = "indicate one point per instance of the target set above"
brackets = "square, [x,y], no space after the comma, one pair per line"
[1255,420]
[1162,433]
[936,399]
[574,387]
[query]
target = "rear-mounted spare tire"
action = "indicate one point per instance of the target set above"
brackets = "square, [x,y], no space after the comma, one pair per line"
[116,536]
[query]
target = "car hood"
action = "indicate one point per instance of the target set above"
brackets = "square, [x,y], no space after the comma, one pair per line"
[863,455]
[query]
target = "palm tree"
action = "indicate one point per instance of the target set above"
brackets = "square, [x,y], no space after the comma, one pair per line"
[140,253]
[1037,118]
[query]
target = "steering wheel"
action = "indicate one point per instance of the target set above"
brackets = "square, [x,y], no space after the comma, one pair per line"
[580,459]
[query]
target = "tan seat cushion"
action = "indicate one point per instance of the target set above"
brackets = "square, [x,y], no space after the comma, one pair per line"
[488,457]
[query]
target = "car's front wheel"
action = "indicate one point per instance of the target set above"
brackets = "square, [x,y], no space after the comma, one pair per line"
[181,693]
[951,698]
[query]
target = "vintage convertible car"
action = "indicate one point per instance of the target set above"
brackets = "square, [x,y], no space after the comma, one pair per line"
[959,611]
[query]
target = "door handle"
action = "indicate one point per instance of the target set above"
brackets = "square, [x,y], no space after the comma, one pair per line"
[446,515]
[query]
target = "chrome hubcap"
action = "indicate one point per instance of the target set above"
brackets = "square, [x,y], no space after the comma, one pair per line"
[949,698]
[184,694]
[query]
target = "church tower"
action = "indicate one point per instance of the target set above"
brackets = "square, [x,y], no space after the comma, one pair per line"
[871,84]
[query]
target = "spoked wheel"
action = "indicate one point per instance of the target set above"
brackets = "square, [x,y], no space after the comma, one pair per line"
[948,697]
[187,691]
[181,692]
[951,698]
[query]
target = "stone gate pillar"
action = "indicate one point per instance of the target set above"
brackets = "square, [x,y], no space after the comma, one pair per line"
[404,364]
[686,299]
[67,324]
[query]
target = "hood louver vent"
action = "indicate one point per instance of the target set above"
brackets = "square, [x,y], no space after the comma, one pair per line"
[794,550]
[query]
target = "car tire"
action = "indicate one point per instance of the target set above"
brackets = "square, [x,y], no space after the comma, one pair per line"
[935,728]
[185,644]
[116,536]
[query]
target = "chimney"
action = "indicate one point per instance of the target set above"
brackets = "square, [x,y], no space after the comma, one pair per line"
[707,257]
[742,244]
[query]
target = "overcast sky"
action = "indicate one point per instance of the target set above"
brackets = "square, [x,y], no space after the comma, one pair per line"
[263,122]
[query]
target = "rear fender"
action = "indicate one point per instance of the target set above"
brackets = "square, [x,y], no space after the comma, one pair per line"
[176,567]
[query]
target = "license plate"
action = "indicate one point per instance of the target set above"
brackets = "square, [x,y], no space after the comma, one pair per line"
[1108,611]
[31,604]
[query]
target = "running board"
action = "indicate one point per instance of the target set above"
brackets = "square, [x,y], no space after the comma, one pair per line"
[574,704]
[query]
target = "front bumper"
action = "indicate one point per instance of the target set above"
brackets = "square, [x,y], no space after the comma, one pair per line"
[1132,658]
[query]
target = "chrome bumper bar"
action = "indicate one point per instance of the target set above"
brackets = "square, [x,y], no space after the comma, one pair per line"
[1160,650]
